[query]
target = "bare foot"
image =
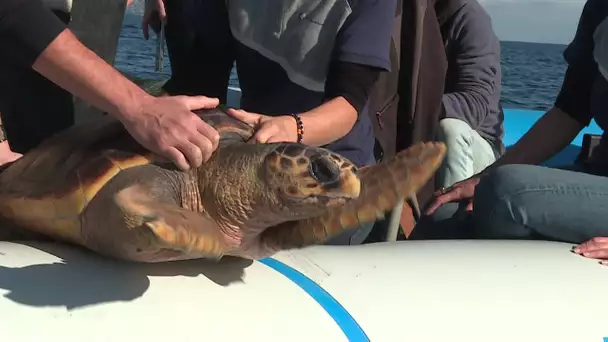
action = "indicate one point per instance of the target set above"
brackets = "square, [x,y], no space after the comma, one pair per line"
[6,154]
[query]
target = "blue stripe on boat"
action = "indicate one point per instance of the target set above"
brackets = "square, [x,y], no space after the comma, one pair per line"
[517,123]
[340,315]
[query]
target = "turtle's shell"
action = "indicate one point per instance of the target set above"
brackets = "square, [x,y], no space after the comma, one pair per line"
[231,130]
[50,186]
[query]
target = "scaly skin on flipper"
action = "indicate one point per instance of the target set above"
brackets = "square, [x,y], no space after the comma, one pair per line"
[171,227]
[382,186]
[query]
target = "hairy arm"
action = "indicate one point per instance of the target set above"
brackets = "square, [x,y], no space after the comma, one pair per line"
[70,65]
[54,52]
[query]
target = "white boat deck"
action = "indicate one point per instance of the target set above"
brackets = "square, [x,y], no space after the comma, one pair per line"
[435,291]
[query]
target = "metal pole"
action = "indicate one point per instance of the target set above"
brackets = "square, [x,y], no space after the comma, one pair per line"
[393,225]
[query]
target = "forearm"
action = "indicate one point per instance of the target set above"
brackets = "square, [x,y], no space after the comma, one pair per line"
[72,66]
[328,122]
[347,92]
[549,135]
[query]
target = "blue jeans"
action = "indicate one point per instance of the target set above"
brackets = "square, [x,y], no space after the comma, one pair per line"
[535,202]
[467,152]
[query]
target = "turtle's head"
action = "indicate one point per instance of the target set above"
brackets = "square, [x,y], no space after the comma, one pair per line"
[306,178]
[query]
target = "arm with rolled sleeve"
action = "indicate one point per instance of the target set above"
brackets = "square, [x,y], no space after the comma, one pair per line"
[52,50]
[360,53]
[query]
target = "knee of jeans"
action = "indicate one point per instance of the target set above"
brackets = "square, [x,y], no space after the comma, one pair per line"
[494,196]
[456,134]
[494,186]
[505,181]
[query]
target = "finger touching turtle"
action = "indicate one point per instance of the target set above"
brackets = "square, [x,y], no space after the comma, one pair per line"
[262,136]
[176,157]
[251,119]
[199,102]
[208,132]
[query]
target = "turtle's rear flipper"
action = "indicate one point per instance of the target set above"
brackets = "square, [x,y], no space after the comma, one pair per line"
[172,227]
[382,186]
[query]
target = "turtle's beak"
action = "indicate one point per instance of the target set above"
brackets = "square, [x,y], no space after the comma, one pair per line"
[351,184]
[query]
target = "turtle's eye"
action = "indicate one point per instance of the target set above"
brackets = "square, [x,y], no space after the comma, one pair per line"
[324,170]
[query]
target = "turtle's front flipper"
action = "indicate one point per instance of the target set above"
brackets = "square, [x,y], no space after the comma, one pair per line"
[172,227]
[382,186]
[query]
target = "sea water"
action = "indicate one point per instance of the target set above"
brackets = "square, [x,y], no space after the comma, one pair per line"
[532,73]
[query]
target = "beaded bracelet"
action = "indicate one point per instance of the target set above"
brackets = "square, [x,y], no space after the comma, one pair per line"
[300,126]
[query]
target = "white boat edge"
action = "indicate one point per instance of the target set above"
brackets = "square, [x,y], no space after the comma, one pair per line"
[456,290]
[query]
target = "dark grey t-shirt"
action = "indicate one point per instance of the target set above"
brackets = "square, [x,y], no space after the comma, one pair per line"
[283,49]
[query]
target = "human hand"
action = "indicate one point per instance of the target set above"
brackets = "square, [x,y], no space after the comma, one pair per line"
[167,126]
[596,248]
[268,129]
[463,190]
[154,14]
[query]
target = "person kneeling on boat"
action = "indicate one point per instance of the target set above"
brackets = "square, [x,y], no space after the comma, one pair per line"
[32,38]
[471,124]
[534,202]
[306,81]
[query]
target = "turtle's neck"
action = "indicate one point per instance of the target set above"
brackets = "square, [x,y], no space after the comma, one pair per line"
[233,192]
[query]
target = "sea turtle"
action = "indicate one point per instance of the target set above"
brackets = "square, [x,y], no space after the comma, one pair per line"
[93,185]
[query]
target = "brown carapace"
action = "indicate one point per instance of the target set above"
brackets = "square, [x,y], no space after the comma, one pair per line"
[95,186]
